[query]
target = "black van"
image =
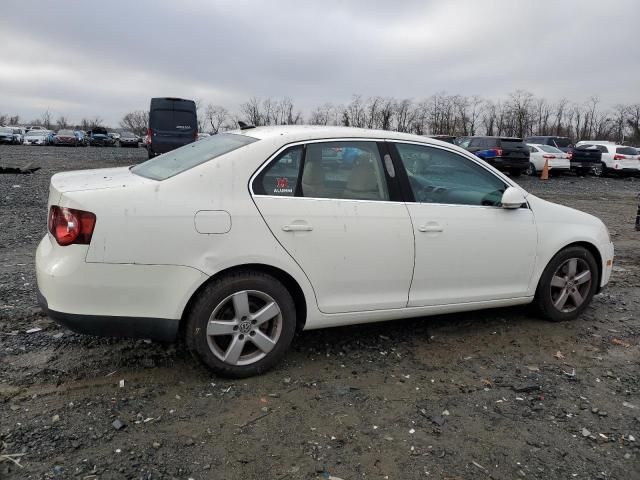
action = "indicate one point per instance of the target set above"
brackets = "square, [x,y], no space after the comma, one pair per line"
[172,124]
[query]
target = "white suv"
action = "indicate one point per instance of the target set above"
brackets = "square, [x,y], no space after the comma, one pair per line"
[615,158]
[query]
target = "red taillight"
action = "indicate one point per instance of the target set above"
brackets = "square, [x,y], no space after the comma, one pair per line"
[497,152]
[70,226]
[570,155]
[619,157]
[548,156]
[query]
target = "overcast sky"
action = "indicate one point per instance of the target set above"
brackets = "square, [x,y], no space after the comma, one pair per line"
[83,59]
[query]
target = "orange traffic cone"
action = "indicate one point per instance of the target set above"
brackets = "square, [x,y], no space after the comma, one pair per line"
[545,170]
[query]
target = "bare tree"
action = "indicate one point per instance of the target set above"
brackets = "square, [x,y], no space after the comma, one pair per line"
[62,122]
[252,111]
[46,119]
[217,116]
[136,121]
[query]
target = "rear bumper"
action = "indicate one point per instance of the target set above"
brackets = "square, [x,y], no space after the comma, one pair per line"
[160,329]
[112,299]
[509,163]
[582,165]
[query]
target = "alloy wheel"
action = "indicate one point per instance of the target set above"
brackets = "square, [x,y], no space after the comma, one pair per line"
[244,327]
[570,285]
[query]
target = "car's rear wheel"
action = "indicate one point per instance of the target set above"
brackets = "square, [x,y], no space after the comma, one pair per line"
[531,170]
[568,284]
[241,324]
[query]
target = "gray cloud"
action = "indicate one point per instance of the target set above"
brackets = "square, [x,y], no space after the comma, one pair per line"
[80,59]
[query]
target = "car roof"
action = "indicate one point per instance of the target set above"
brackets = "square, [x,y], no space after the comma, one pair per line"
[295,133]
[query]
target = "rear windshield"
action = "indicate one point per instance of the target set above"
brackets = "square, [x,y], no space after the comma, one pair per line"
[549,149]
[191,155]
[180,120]
[6,130]
[560,142]
[511,142]
[626,151]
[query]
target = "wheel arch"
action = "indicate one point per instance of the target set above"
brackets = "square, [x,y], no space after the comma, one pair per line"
[287,280]
[590,247]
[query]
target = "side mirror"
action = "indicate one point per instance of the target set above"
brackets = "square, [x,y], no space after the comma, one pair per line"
[512,198]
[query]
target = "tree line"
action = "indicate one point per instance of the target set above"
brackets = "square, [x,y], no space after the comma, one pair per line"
[519,114]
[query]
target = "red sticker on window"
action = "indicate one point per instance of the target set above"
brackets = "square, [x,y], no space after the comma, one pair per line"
[282,182]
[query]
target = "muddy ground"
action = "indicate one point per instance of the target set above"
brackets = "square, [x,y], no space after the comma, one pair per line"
[493,394]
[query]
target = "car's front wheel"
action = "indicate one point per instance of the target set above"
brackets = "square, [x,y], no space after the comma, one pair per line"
[531,170]
[241,324]
[568,284]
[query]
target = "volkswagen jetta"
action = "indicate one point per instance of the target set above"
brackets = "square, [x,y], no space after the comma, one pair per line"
[238,240]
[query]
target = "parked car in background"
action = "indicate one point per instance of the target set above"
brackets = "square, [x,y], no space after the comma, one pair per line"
[202,136]
[18,135]
[172,123]
[65,138]
[615,158]
[261,232]
[6,135]
[562,143]
[81,136]
[34,127]
[114,137]
[508,154]
[99,137]
[37,137]
[585,160]
[129,139]
[444,138]
[557,161]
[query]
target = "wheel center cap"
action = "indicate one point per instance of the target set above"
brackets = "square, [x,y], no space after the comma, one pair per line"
[245,326]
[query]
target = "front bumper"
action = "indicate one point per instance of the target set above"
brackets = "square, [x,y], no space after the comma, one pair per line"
[607,252]
[129,300]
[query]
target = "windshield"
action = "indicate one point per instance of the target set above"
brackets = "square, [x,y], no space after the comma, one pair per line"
[128,135]
[6,130]
[549,149]
[68,133]
[191,155]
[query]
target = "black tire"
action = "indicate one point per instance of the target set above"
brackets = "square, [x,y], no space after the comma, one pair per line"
[150,153]
[543,300]
[216,294]
[531,170]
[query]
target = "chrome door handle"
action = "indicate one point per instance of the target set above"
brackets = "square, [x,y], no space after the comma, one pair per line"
[297,227]
[430,228]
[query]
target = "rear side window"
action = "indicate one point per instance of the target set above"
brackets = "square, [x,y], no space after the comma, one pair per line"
[626,151]
[191,155]
[561,142]
[281,177]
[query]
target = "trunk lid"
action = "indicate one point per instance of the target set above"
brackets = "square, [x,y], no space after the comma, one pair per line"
[99,179]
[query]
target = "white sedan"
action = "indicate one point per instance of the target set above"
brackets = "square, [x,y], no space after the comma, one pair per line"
[240,239]
[557,160]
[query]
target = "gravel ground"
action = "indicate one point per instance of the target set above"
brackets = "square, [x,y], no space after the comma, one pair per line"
[498,394]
